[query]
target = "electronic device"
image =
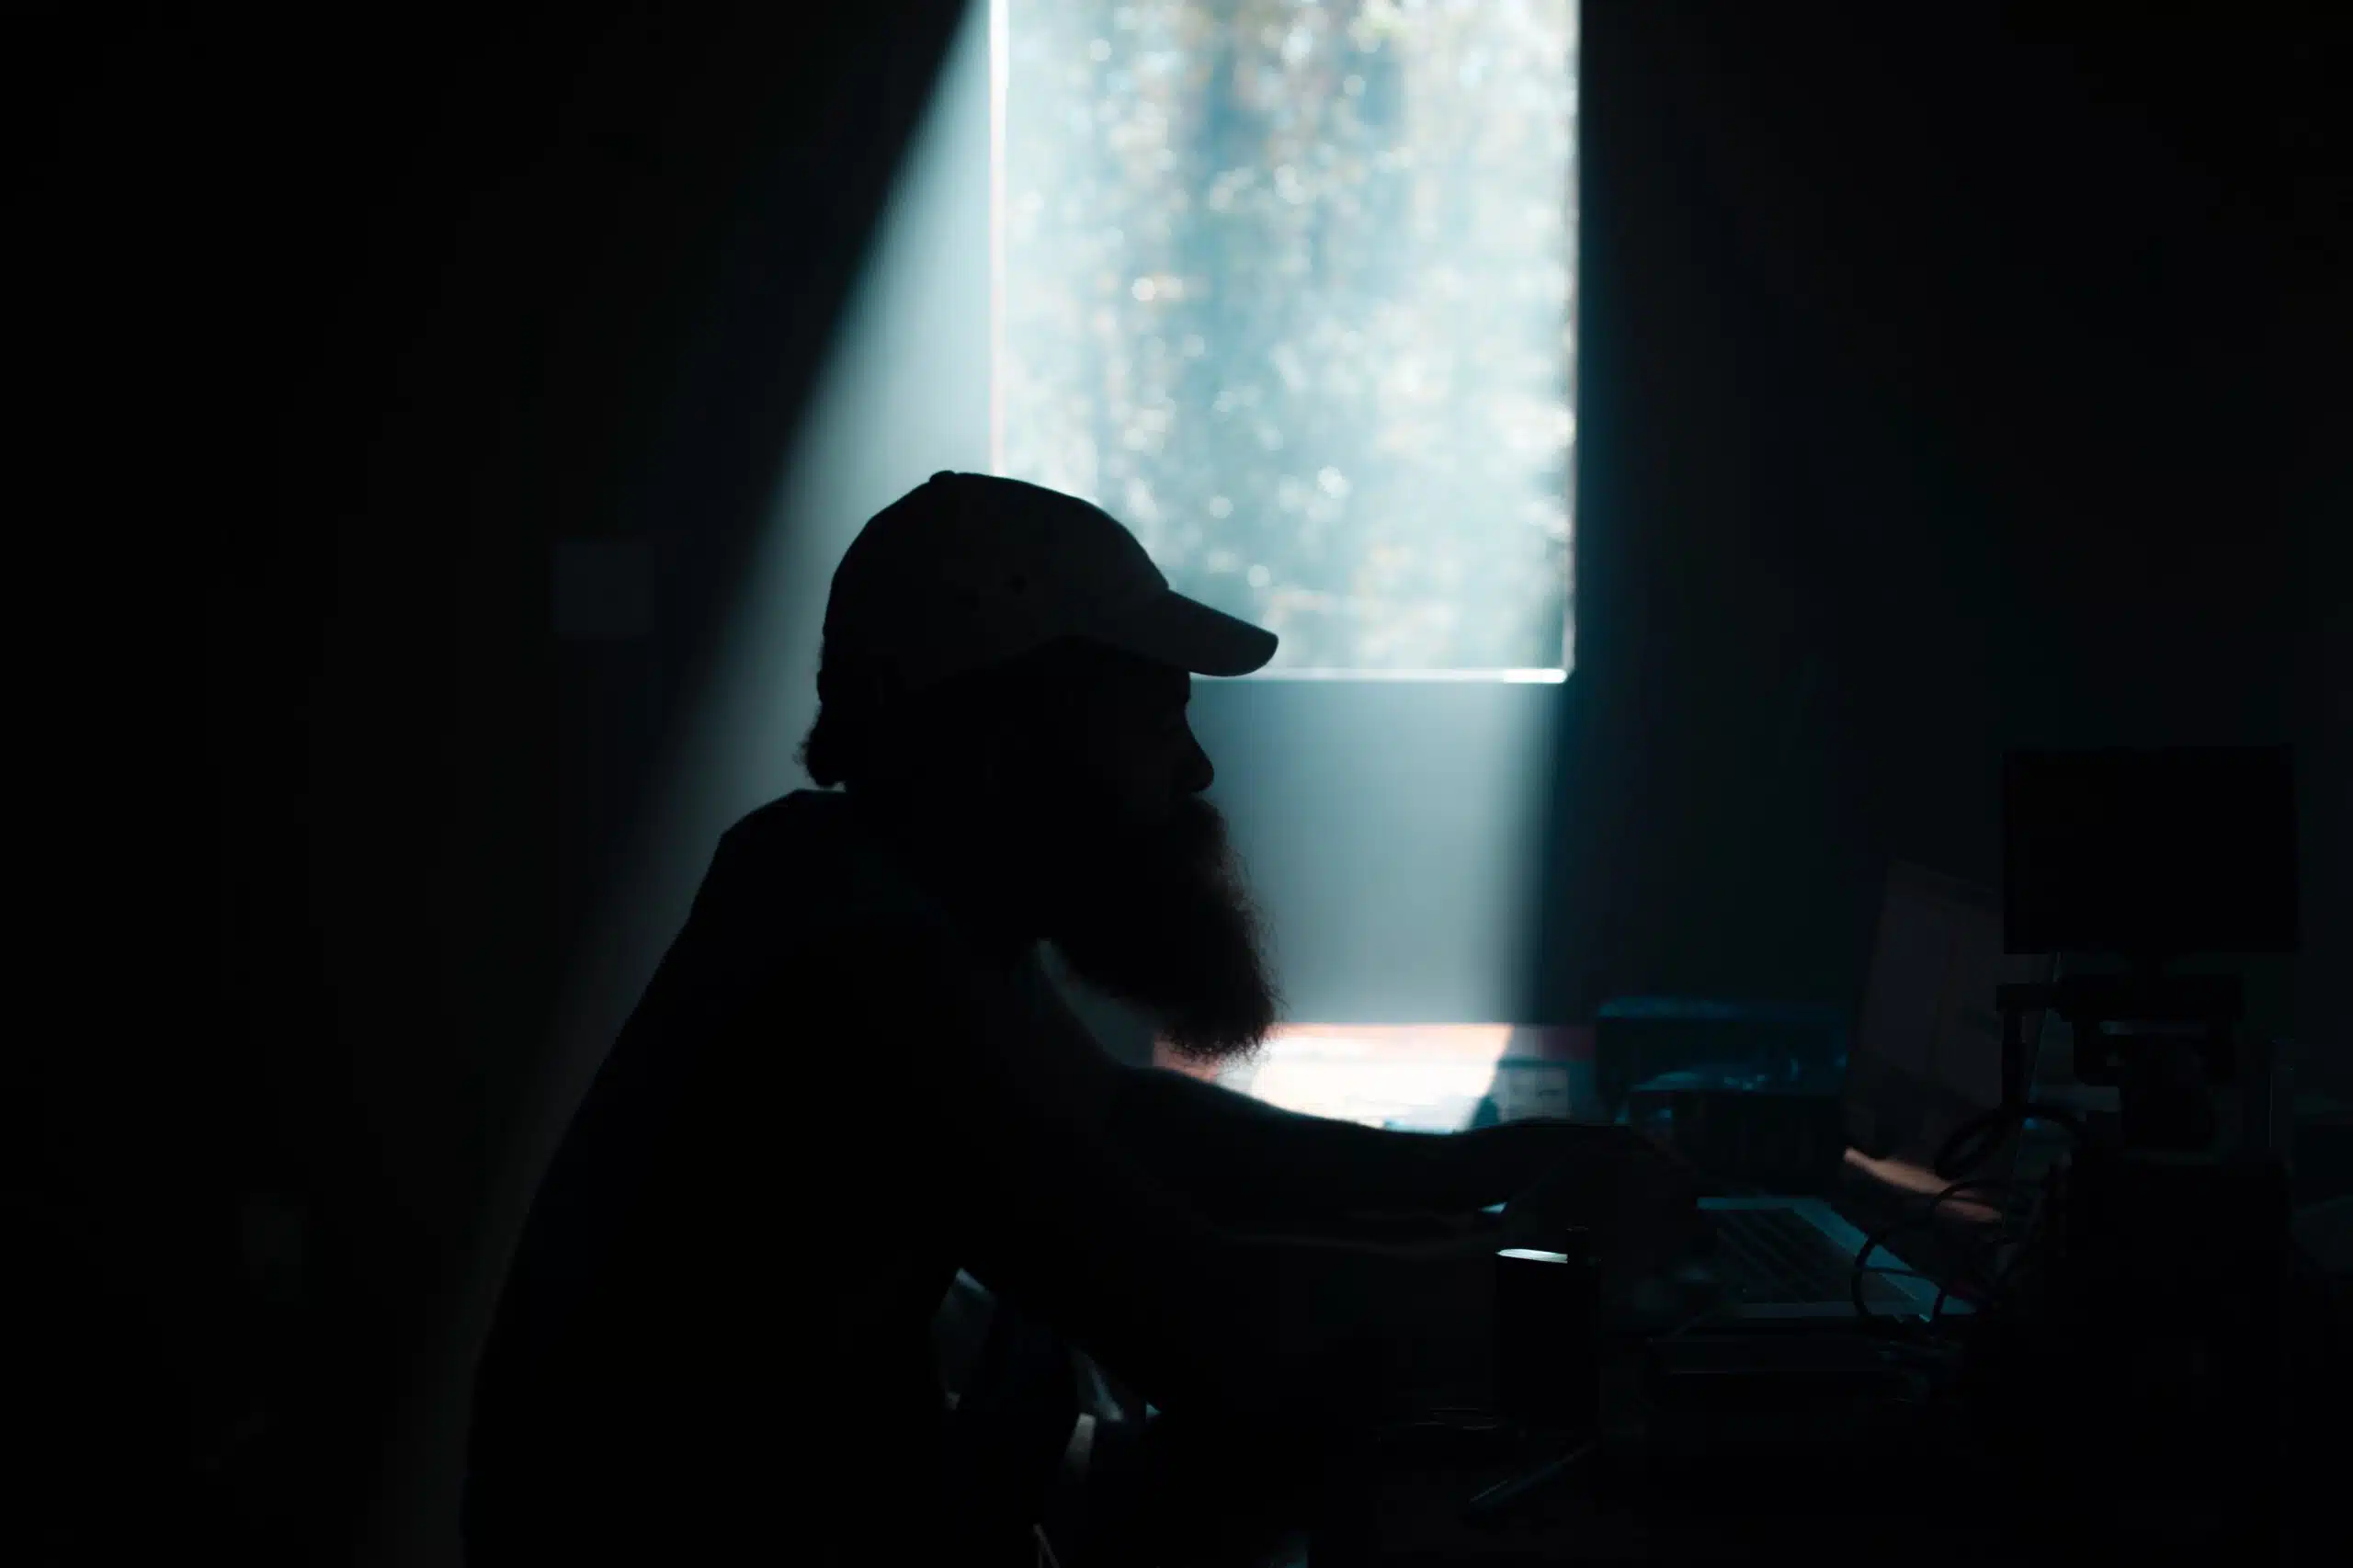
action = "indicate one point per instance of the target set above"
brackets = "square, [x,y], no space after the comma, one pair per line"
[1760,1137]
[2186,850]
[2155,1289]
[1546,1373]
[2149,857]
[1926,1060]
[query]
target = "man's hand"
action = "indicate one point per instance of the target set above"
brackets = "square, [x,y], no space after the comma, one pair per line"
[1638,1204]
[1638,1201]
[1432,1284]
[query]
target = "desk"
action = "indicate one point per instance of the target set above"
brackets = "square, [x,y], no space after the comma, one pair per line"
[1893,1484]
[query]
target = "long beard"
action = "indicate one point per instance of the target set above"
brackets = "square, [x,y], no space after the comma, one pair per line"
[1160,918]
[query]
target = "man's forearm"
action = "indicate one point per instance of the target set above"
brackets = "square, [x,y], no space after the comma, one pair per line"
[1254,1166]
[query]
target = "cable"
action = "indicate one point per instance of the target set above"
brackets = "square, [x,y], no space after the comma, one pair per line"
[2025,1249]
[1925,1218]
[1855,1287]
[1466,1420]
[1492,1504]
[1975,1138]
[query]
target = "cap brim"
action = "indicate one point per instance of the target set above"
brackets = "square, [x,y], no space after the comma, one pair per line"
[1173,629]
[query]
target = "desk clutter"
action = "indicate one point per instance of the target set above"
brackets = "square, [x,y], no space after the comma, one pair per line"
[1797,1448]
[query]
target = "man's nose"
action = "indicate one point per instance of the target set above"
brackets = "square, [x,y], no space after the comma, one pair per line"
[1197,773]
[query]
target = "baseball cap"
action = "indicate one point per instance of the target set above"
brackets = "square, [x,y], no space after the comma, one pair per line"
[969,570]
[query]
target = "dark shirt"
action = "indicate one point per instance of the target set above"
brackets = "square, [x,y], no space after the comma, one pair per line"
[833,1095]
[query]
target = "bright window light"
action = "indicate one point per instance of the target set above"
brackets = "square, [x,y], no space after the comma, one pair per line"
[1289,289]
[1419,1078]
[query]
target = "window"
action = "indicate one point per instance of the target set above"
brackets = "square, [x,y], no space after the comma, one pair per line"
[1287,287]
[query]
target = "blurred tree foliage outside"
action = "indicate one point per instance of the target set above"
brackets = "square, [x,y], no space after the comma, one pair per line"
[1287,287]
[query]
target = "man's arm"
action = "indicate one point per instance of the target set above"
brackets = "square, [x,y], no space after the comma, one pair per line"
[1053,1209]
[1258,1168]
[1262,1170]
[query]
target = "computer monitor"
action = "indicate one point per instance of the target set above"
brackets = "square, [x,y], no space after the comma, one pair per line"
[2149,853]
[1928,1045]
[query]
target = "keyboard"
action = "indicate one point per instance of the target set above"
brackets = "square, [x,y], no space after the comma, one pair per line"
[1772,1257]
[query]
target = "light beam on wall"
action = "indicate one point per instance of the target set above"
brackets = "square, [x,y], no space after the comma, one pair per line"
[902,393]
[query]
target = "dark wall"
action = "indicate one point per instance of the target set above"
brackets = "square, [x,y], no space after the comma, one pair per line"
[1950,378]
[1951,381]
[339,320]
[1948,383]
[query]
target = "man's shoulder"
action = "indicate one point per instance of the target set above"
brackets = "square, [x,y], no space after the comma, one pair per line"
[799,822]
[805,862]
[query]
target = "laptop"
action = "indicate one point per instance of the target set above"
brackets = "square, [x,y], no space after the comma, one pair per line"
[1926,1055]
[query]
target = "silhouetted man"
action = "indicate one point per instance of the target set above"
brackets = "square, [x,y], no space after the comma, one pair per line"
[852,1076]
